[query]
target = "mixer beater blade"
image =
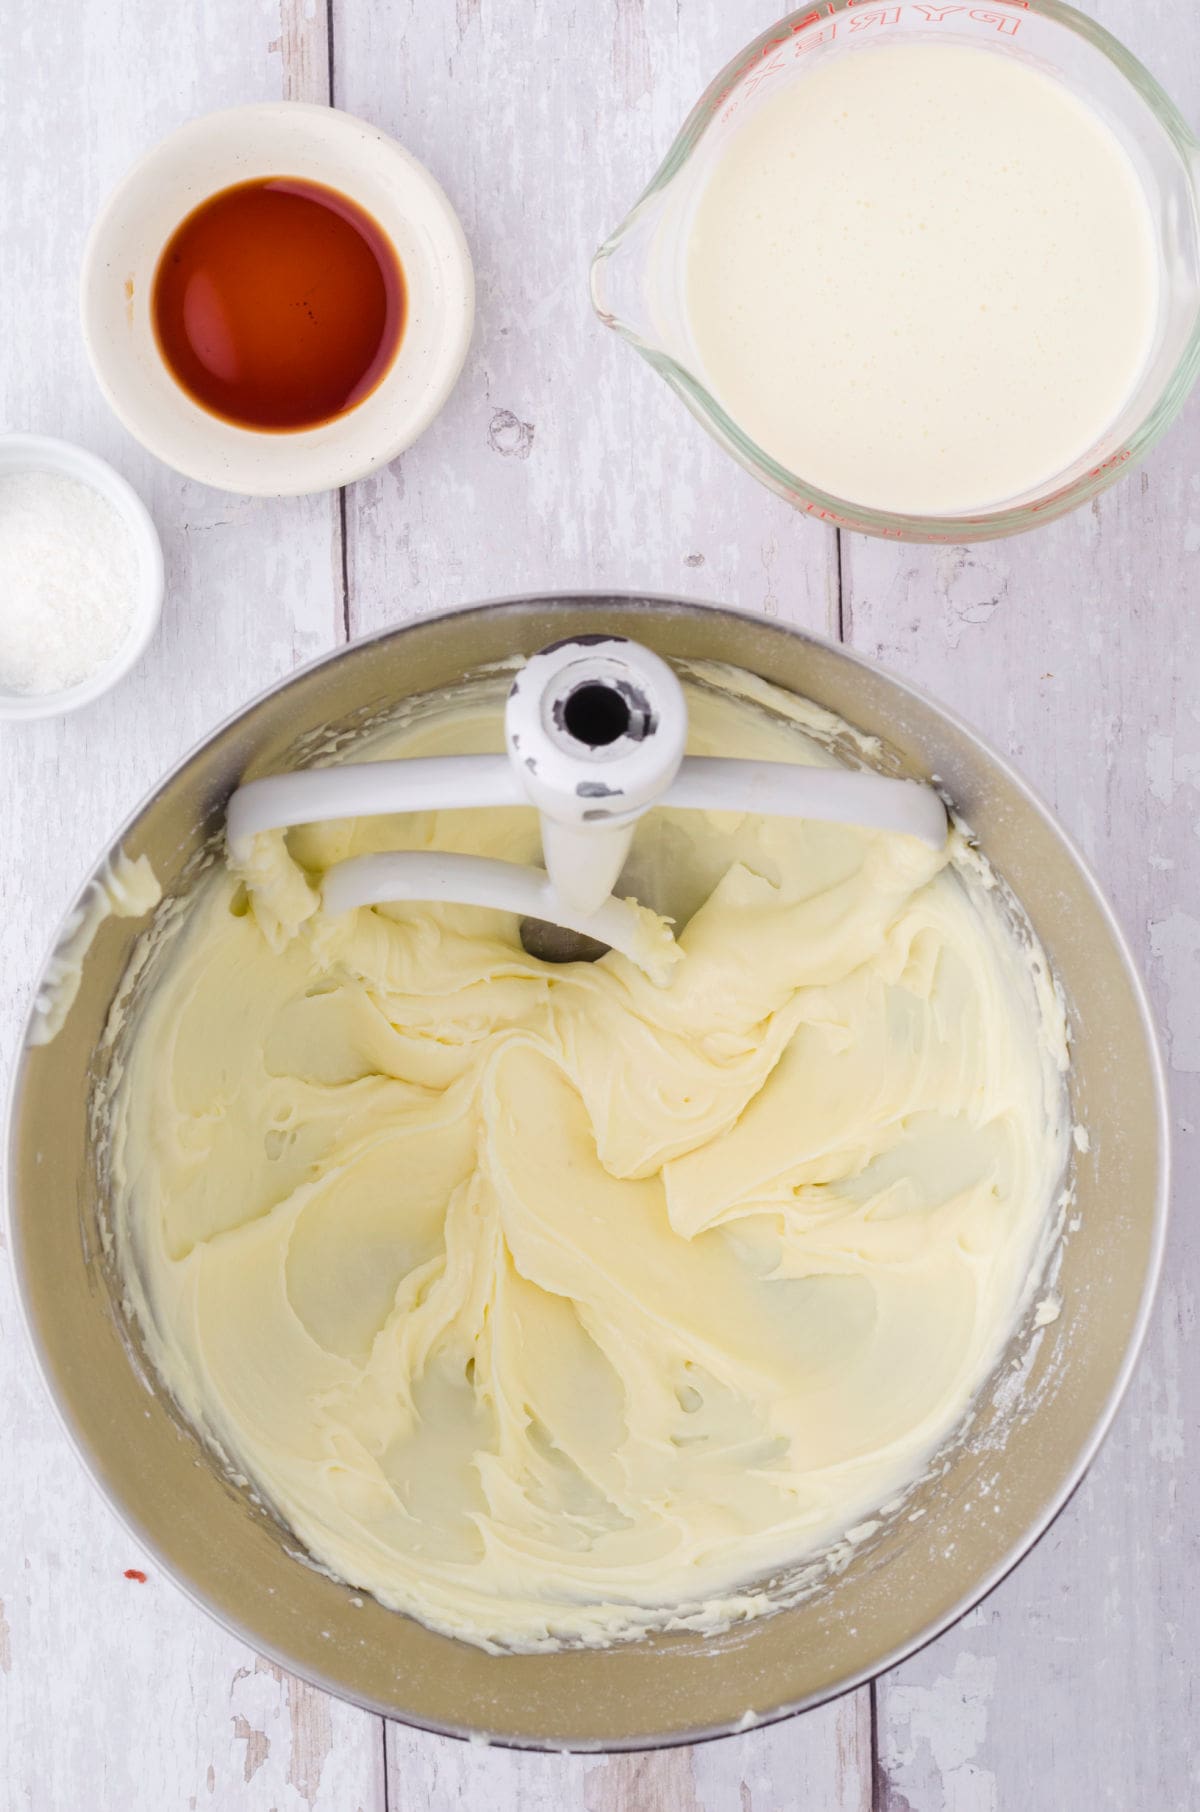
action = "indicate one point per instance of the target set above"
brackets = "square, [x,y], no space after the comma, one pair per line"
[595,729]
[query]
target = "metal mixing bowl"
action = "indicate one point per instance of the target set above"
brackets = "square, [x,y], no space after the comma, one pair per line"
[1035,1427]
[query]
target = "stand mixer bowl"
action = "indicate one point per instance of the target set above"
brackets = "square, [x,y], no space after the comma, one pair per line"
[1034,1428]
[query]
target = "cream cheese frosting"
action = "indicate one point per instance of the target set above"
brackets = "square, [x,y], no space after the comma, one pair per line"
[124,889]
[549,1304]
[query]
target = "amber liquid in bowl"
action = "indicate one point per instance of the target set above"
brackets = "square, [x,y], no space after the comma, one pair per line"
[278,304]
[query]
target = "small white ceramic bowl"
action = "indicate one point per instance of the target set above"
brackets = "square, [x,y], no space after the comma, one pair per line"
[319,144]
[39,453]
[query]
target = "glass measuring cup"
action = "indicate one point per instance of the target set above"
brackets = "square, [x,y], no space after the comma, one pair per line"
[638,276]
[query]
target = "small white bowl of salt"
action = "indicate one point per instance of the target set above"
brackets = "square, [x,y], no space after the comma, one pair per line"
[81,577]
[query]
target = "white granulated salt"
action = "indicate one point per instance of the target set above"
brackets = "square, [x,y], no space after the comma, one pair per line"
[68,582]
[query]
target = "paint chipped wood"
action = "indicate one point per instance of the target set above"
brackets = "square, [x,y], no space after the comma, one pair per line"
[1076,650]
[819,1763]
[562,461]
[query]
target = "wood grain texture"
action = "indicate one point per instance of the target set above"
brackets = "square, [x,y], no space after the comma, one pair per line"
[1076,651]
[819,1763]
[562,461]
[115,1694]
[1075,654]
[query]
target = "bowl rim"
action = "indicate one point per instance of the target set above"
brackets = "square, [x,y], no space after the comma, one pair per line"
[45,453]
[290,463]
[128,1518]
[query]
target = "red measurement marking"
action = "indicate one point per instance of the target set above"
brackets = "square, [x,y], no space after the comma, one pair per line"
[769,69]
[135,1573]
[812,18]
[983,15]
[826,35]
[986,16]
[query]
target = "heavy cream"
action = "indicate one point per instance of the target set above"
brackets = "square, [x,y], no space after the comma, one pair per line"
[549,1304]
[923,278]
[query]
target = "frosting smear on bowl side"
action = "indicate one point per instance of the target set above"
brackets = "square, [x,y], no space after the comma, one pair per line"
[551,1305]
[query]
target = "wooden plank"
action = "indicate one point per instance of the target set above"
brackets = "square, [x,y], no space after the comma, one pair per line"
[561,461]
[1080,659]
[114,1693]
[818,1763]
[1076,650]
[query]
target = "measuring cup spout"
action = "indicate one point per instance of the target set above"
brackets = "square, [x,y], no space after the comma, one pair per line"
[623,277]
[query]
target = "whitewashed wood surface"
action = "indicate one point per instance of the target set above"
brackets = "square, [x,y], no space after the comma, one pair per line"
[561,461]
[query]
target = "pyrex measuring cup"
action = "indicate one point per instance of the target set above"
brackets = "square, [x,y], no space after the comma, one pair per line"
[639,274]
